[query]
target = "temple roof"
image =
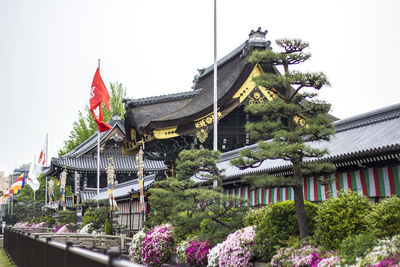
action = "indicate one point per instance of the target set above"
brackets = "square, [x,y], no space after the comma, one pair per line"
[369,137]
[163,111]
[120,190]
[83,158]
[122,163]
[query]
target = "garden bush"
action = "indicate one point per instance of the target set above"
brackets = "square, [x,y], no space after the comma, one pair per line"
[237,249]
[157,245]
[213,256]
[385,217]
[304,254]
[255,216]
[358,246]
[196,253]
[279,223]
[135,249]
[107,228]
[341,217]
[386,252]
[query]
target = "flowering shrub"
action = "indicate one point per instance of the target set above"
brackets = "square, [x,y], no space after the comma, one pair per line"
[135,249]
[327,259]
[39,225]
[302,256]
[391,261]
[20,225]
[86,229]
[180,250]
[196,253]
[387,247]
[213,256]
[63,229]
[306,255]
[236,250]
[157,245]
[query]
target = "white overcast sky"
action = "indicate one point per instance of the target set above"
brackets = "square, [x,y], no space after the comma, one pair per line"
[49,51]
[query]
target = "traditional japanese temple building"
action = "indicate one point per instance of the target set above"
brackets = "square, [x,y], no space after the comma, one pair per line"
[179,121]
[81,163]
[365,151]
[365,148]
[83,159]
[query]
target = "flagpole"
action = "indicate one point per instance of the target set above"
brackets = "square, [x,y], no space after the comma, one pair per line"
[215,133]
[215,79]
[45,159]
[98,155]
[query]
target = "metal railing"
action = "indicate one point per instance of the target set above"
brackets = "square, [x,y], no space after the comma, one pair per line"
[26,250]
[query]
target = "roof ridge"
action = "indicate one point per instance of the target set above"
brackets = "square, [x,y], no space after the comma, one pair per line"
[372,117]
[87,141]
[161,98]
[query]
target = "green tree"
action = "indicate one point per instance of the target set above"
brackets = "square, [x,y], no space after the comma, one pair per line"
[290,122]
[186,204]
[85,126]
[26,193]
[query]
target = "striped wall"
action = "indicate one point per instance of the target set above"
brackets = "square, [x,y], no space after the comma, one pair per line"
[371,182]
[124,207]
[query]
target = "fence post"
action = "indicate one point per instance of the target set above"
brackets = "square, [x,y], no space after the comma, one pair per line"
[36,242]
[67,256]
[113,254]
[48,239]
[27,249]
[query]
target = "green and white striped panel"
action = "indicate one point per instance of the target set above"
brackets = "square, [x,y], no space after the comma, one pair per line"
[371,182]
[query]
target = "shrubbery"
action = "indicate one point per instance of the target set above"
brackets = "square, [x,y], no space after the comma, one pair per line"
[385,217]
[157,245]
[276,224]
[135,249]
[341,217]
[237,250]
[358,246]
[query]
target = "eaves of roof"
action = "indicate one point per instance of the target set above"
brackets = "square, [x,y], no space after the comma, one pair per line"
[120,190]
[371,136]
[122,163]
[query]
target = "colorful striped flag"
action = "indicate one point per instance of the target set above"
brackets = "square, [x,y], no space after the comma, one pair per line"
[16,186]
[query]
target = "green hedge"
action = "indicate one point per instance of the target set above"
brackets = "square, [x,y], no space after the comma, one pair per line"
[277,223]
[341,217]
[385,217]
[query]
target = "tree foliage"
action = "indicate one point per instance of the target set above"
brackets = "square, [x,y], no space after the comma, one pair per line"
[187,204]
[85,126]
[26,193]
[289,122]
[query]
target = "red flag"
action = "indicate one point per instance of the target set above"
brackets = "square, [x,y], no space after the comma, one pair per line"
[43,156]
[99,94]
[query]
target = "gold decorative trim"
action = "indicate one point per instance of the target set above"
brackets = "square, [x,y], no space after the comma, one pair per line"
[165,133]
[206,120]
[202,135]
[249,85]
[270,94]
[299,120]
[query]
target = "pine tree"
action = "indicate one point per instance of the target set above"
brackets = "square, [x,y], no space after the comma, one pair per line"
[189,205]
[289,122]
